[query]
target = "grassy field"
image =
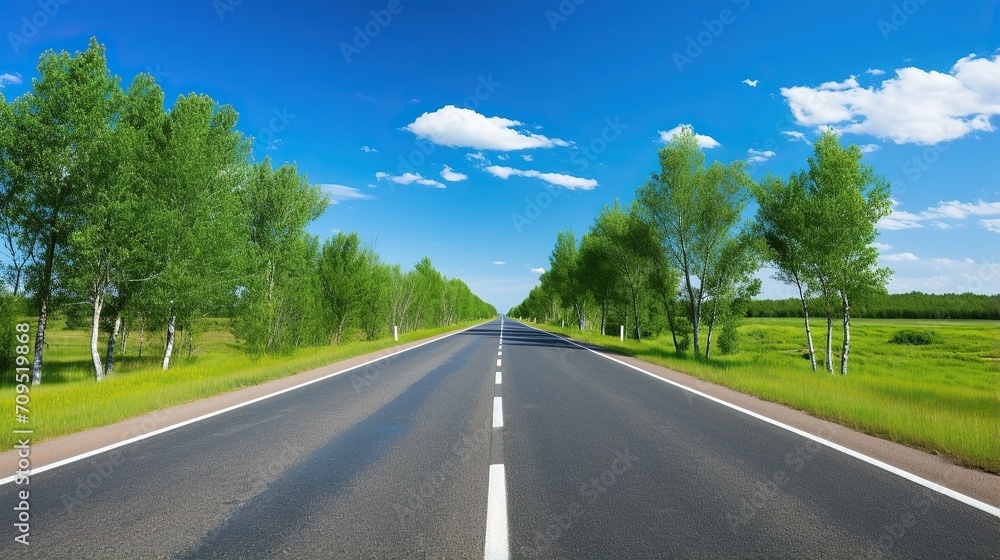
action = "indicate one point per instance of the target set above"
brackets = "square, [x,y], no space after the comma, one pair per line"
[943,397]
[69,400]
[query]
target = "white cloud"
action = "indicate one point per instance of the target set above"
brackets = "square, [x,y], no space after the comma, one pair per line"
[459,127]
[882,246]
[449,175]
[915,106]
[475,156]
[991,225]
[499,263]
[759,156]
[343,192]
[409,178]
[538,270]
[900,257]
[950,210]
[795,135]
[368,150]
[751,83]
[704,142]
[849,83]
[875,71]
[869,148]
[567,181]
[9,79]
[938,263]
[527,157]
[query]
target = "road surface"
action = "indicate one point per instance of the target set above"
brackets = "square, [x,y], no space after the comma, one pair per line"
[497,440]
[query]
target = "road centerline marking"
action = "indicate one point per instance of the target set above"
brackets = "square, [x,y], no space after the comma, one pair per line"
[498,363]
[497,537]
[498,378]
[497,412]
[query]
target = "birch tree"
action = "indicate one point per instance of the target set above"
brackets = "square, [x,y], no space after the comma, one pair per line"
[48,133]
[695,210]
[848,199]
[784,222]
[205,161]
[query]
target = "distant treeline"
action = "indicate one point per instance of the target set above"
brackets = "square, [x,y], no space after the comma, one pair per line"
[913,305]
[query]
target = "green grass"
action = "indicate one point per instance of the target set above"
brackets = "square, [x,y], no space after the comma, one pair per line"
[942,397]
[69,400]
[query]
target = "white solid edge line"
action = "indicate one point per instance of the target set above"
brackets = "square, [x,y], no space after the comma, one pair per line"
[159,431]
[968,500]
[497,539]
[498,378]
[497,412]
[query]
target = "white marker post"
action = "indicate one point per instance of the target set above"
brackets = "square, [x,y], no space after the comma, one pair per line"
[622,335]
[395,333]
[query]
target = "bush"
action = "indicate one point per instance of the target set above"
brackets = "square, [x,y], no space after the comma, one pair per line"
[913,337]
[729,339]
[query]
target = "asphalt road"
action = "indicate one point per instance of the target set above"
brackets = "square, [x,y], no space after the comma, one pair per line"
[403,458]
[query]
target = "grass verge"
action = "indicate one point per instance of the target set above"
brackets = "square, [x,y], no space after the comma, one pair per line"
[69,400]
[942,397]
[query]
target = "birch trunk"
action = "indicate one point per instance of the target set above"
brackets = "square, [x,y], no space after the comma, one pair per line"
[36,364]
[809,336]
[109,365]
[829,341]
[847,334]
[169,348]
[711,328]
[142,334]
[95,331]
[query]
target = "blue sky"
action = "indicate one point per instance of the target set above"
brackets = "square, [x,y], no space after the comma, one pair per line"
[472,132]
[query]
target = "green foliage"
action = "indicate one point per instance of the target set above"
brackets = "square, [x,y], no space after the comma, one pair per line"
[729,338]
[696,212]
[912,305]
[913,337]
[12,309]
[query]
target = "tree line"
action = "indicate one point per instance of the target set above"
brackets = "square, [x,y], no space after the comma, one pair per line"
[139,218]
[680,258]
[912,305]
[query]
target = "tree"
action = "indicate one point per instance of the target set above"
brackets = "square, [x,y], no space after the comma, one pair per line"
[204,163]
[564,276]
[401,290]
[848,199]
[341,267]
[276,310]
[633,246]
[784,223]
[597,273]
[49,139]
[695,211]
